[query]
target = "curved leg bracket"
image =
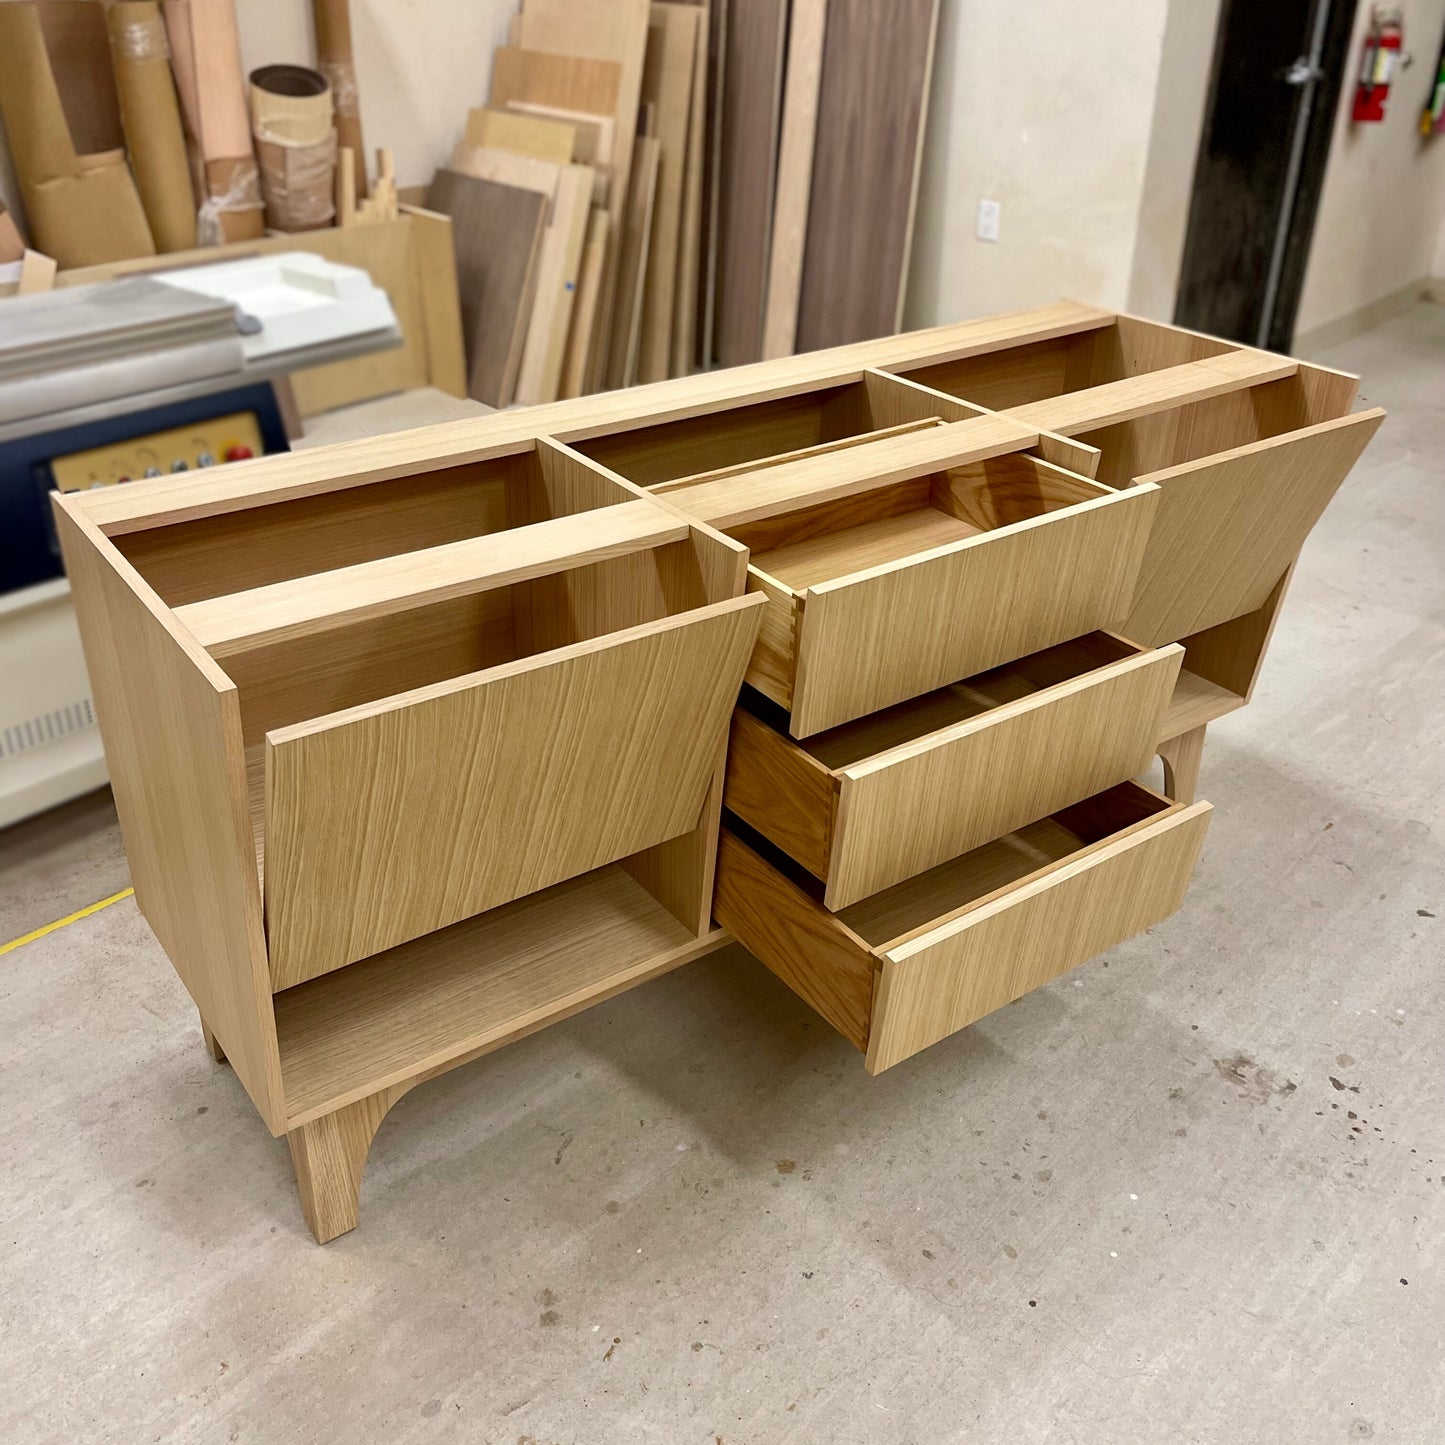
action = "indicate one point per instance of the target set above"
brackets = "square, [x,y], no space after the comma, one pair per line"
[1181,757]
[330,1154]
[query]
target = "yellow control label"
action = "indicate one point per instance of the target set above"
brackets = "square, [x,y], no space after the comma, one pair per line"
[202,444]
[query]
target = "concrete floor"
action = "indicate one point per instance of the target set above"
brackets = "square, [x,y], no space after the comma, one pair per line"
[1195,1191]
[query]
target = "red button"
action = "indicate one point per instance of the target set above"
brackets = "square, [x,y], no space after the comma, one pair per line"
[239,453]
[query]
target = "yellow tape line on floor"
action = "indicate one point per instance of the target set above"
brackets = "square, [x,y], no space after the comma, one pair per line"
[66,921]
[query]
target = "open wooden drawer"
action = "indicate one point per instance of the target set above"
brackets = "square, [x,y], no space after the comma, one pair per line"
[1247,448]
[434,733]
[908,966]
[900,566]
[871,802]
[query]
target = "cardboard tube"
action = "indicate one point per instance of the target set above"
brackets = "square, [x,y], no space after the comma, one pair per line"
[290,105]
[151,116]
[206,55]
[338,65]
[296,145]
[82,209]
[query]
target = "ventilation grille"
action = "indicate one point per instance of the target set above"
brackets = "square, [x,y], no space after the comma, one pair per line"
[47,727]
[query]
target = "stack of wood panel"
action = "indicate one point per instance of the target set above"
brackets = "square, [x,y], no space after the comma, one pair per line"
[660,186]
[823,104]
[577,191]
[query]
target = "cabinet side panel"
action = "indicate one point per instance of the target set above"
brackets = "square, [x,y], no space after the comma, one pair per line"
[171,723]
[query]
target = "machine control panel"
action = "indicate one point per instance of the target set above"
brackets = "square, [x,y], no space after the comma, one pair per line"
[207,443]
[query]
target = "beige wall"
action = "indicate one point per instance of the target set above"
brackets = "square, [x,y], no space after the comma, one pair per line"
[421,65]
[1185,65]
[1384,195]
[1047,109]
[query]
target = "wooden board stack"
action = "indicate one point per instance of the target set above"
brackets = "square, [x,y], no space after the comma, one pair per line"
[706,165]
[418,743]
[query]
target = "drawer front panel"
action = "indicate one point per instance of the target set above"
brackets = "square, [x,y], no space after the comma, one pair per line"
[896,632]
[940,981]
[1230,525]
[810,950]
[411,814]
[916,806]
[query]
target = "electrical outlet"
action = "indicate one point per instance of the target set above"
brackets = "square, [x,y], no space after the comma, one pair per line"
[988,218]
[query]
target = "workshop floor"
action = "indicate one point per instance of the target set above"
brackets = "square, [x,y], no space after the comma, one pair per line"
[1193,1192]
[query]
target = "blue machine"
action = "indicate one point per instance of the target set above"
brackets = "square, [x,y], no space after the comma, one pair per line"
[29,551]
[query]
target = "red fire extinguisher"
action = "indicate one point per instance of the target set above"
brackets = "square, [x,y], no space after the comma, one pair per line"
[1381,60]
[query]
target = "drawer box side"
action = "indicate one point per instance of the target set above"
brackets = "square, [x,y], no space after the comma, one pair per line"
[776,788]
[785,929]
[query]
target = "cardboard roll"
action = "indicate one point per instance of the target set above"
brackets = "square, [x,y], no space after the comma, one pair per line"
[290,105]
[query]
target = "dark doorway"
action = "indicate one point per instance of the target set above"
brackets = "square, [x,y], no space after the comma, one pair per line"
[1275,85]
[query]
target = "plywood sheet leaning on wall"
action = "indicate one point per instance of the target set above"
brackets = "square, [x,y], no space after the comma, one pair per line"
[63,126]
[541,138]
[752,103]
[795,176]
[567,192]
[607,30]
[582,333]
[497,235]
[667,84]
[877,62]
[632,253]
[690,240]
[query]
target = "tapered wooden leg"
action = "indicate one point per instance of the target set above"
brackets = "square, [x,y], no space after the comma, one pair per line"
[329,1154]
[213,1046]
[1181,757]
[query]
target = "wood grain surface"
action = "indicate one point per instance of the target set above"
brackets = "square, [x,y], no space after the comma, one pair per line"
[582,333]
[320,601]
[905,810]
[690,241]
[795,176]
[1228,526]
[632,253]
[667,83]
[874,638]
[407,815]
[471,988]
[948,977]
[873,99]
[605,30]
[343,465]
[171,725]
[497,233]
[825,964]
[752,113]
